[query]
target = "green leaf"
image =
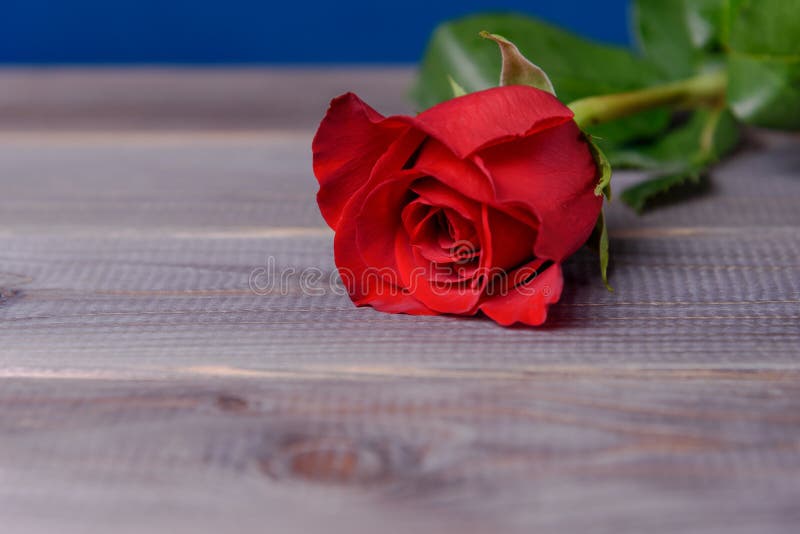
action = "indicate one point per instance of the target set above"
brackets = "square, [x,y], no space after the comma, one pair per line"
[576,67]
[680,36]
[638,128]
[764,27]
[678,184]
[764,62]
[684,144]
[516,68]
[706,22]
[719,137]
[681,158]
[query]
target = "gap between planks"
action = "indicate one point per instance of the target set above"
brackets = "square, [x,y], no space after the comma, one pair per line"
[677,371]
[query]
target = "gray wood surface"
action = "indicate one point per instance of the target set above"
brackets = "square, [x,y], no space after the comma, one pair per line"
[146,387]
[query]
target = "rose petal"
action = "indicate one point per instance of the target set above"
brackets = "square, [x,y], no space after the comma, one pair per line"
[414,214]
[527,303]
[367,285]
[434,192]
[484,118]
[442,297]
[377,285]
[425,238]
[379,215]
[553,174]
[463,214]
[512,240]
[459,229]
[348,143]
[437,161]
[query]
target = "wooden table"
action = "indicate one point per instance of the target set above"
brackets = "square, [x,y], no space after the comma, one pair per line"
[145,386]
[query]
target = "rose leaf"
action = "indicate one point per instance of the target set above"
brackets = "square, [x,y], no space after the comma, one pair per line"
[764,62]
[681,158]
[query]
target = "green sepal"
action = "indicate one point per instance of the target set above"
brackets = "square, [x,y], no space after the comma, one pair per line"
[456,88]
[602,189]
[603,248]
[516,68]
[599,243]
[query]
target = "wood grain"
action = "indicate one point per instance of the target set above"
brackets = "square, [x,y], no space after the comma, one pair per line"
[145,386]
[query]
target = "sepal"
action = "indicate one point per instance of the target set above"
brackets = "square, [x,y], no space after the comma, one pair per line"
[517,69]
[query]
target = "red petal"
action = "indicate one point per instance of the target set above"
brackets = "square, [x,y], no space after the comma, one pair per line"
[553,174]
[465,218]
[416,215]
[512,240]
[348,143]
[425,238]
[379,215]
[377,285]
[478,120]
[432,191]
[437,161]
[528,303]
[444,297]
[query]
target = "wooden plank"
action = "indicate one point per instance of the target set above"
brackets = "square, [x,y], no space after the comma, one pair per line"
[161,99]
[146,386]
[686,452]
[705,300]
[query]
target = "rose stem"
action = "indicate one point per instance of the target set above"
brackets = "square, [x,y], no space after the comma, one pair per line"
[691,92]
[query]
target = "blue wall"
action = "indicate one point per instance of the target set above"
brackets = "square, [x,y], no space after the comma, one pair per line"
[252,31]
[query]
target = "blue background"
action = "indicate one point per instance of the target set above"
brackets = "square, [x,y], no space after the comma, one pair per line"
[251,31]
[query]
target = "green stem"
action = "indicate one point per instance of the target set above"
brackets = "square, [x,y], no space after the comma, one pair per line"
[692,92]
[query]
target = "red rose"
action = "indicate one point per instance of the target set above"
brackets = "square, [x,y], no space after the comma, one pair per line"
[470,206]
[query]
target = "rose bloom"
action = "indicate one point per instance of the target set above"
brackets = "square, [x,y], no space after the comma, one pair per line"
[469,206]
